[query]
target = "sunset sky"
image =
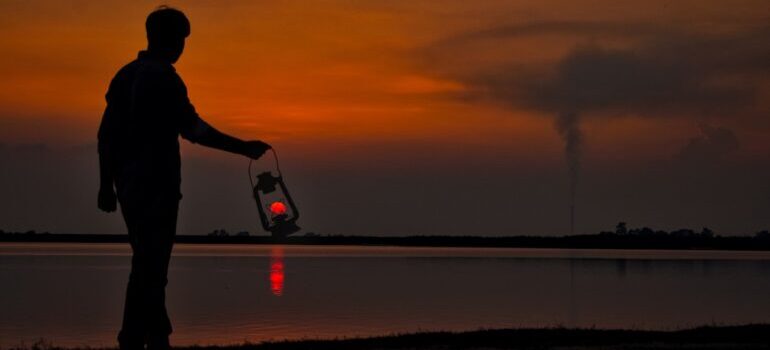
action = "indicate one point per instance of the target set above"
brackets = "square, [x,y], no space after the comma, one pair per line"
[412,117]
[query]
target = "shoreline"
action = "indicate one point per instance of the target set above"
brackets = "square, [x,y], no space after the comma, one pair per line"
[750,336]
[595,241]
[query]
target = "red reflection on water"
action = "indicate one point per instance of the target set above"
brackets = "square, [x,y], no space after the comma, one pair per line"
[276,271]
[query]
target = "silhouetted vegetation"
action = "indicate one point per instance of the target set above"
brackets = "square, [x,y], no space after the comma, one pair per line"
[621,238]
[739,337]
[731,337]
[219,233]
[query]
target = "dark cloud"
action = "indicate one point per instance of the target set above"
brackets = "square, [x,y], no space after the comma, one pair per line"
[595,79]
[646,82]
[574,28]
[710,146]
[664,72]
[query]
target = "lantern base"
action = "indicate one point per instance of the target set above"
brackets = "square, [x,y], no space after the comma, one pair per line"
[283,229]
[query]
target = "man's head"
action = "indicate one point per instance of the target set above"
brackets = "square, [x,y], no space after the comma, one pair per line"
[166,30]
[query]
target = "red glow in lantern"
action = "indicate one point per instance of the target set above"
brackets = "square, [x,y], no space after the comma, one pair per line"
[277,208]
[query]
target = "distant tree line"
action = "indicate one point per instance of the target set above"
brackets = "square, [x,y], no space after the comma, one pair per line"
[622,230]
[223,233]
[29,232]
[620,238]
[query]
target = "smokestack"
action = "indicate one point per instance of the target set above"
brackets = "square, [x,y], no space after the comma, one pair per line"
[568,127]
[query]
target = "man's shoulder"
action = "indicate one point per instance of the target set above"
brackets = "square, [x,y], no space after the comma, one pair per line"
[160,75]
[123,78]
[146,69]
[147,75]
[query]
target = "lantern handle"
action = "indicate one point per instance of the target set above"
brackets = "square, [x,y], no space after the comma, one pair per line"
[277,167]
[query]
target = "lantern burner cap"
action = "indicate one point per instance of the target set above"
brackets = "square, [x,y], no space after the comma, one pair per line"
[266,182]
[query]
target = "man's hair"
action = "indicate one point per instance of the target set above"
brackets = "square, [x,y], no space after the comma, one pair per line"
[166,24]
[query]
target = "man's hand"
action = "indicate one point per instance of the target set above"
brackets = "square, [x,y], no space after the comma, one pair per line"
[255,149]
[108,201]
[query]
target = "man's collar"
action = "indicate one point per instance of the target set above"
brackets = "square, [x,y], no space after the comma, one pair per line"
[145,55]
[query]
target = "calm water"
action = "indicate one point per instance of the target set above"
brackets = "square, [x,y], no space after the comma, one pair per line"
[72,294]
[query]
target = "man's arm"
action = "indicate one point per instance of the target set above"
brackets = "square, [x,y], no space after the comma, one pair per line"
[203,133]
[196,130]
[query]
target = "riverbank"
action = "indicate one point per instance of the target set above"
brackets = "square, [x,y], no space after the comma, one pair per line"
[651,241]
[712,337]
[738,337]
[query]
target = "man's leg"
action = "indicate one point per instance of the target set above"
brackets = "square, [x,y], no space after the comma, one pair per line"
[159,255]
[152,227]
[133,332]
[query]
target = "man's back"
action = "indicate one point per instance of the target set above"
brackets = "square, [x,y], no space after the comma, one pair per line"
[147,109]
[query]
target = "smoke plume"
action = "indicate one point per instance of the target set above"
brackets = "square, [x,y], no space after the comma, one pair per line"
[568,127]
[662,73]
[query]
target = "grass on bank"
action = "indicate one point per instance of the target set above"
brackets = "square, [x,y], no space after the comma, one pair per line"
[755,336]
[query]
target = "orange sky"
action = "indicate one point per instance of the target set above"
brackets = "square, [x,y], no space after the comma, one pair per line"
[319,72]
[328,79]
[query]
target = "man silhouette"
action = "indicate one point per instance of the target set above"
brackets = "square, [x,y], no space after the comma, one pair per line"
[147,109]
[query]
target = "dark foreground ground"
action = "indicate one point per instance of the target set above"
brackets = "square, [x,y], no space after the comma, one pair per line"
[733,337]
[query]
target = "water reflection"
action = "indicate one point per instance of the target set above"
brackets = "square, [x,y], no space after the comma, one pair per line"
[621,268]
[276,271]
[572,316]
[218,293]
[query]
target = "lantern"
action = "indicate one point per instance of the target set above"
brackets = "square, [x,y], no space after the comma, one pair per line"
[277,210]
